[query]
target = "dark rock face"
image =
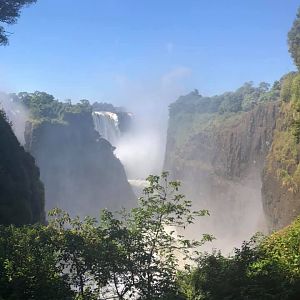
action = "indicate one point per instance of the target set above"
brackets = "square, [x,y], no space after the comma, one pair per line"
[281,205]
[221,167]
[228,150]
[79,169]
[245,144]
[21,191]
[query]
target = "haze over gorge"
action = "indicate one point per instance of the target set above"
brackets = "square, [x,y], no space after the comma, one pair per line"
[216,146]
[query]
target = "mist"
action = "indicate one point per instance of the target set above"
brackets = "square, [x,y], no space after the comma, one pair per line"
[142,149]
[235,209]
[16,113]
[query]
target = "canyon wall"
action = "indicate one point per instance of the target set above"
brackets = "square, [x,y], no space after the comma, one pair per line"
[79,169]
[220,165]
[238,154]
[21,191]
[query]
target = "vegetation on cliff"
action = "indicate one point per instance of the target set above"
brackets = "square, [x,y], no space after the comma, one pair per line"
[284,148]
[44,107]
[281,177]
[194,113]
[21,191]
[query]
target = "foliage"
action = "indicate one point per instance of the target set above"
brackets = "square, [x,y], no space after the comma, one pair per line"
[294,40]
[43,106]
[192,114]
[286,89]
[9,13]
[162,207]
[295,92]
[283,247]
[272,94]
[29,264]
[265,268]
[243,99]
[134,254]
[282,159]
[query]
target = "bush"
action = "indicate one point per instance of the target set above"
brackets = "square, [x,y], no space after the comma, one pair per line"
[286,87]
[263,268]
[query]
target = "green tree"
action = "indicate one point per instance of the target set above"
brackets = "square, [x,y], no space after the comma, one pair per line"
[294,40]
[9,14]
[29,265]
[286,86]
[134,254]
[154,227]
[89,251]
[263,268]
[295,90]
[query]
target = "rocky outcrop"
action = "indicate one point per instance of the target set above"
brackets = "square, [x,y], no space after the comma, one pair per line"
[220,165]
[230,147]
[79,169]
[21,191]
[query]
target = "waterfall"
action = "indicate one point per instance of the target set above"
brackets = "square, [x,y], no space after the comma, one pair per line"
[107,125]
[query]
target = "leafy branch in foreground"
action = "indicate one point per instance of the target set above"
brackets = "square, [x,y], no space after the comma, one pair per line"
[135,254]
[153,226]
[130,255]
[9,14]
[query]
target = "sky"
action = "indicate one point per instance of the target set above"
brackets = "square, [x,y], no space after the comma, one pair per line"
[137,51]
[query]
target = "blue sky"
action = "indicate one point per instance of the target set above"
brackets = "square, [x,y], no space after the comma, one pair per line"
[121,50]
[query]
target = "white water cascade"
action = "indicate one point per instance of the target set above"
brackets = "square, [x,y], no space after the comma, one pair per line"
[107,125]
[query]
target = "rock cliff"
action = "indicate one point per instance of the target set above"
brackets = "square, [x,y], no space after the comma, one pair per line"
[220,159]
[281,175]
[80,171]
[21,191]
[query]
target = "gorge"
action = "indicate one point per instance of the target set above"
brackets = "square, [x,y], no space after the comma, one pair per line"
[218,147]
[164,192]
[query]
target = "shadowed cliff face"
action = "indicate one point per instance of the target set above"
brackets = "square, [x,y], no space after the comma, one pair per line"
[221,166]
[79,169]
[21,191]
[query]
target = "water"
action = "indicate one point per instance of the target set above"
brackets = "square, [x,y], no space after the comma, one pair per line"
[107,125]
[138,186]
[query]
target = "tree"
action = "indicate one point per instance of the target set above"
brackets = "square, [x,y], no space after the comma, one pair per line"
[294,40]
[29,264]
[9,14]
[156,241]
[134,254]
[286,86]
[263,268]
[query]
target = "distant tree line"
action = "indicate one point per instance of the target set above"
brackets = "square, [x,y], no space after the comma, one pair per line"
[244,98]
[44,106]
